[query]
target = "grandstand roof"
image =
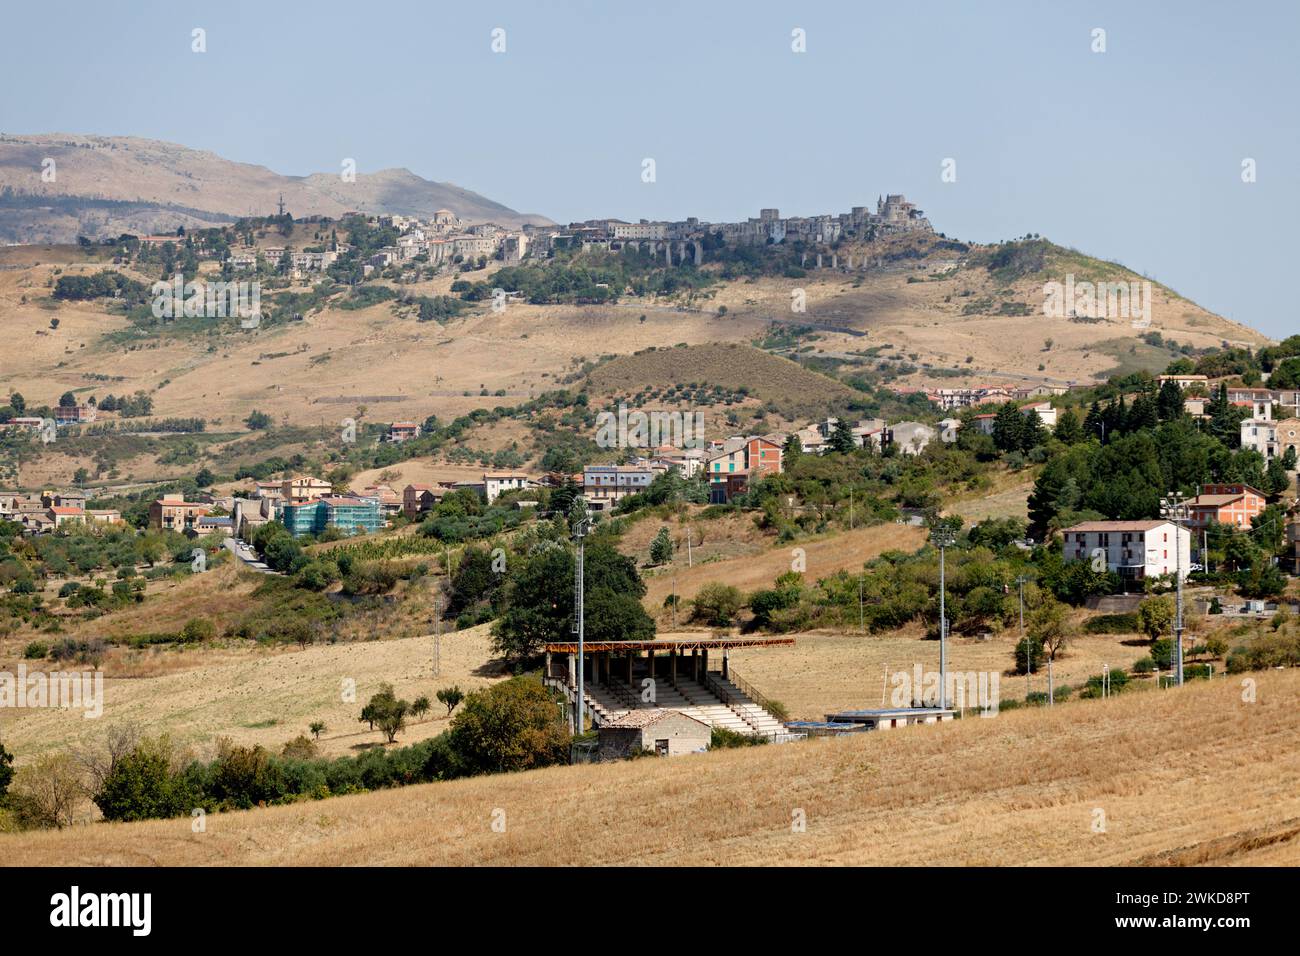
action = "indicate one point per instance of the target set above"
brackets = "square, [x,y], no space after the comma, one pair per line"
[671,643]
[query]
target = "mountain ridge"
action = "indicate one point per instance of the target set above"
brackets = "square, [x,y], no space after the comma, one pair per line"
[57,186]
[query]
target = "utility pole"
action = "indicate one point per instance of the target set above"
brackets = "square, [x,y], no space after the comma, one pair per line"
[943,537]
[1174,509]
[437,637]
[690,563]
[862,621]
[580,534]
[1029,657]
[676,599]
[850,509]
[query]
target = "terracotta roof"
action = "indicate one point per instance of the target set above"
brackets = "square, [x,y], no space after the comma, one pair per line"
[1116,526]
[1214,501]
[648,716]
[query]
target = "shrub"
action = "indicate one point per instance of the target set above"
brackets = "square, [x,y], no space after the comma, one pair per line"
[1144,666]
[717,604]
[301,747]
[36,650]
[196,630]
[514,725]
[1112,624]
[721,739]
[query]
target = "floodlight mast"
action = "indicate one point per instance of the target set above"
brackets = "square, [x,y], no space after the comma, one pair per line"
[580,530]
[1174,509]
[943,537]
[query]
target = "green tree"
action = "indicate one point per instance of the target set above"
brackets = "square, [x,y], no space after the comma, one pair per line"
[841,438]
[6,770]
[717,604]
[1068,429]
[388,712]
[513,725]
[1155,616]
[450,697]
[144,784]
[661,548]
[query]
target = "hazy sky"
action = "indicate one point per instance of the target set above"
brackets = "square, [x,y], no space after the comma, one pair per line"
[1133,154]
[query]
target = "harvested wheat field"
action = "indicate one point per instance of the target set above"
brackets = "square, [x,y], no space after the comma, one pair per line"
[268,696]
[1181,777]
[821,556]
[823,672]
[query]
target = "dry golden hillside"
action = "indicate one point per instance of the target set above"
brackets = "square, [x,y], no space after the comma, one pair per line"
[1157,778]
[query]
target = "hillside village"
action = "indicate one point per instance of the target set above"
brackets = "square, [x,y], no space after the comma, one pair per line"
[1081,538]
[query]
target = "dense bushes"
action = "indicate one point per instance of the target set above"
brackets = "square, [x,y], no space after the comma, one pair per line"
[514,725]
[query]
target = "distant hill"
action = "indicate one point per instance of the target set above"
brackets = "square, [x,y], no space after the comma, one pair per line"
[107,185]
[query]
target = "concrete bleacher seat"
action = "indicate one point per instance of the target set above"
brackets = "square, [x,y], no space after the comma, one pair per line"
[609,701]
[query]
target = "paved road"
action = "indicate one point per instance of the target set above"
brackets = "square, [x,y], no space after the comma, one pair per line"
[246,554]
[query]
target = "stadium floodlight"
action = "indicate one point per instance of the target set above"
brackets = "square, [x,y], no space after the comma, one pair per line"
[581,528]
[1175,510]
[943,536]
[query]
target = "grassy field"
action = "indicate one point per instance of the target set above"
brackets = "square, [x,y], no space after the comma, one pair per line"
[1158,778]
[264,696]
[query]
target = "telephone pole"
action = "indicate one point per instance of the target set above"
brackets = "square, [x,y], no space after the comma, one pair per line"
[437,637]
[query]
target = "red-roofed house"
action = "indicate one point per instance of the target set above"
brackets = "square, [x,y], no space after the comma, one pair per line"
[1230,504]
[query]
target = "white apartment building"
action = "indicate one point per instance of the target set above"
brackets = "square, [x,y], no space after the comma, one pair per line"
[496,482]
[1134,550]
[605,485]
[1259,433]
[653,231]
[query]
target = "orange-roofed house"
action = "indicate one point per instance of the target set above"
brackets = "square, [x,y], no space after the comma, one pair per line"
[1233,504]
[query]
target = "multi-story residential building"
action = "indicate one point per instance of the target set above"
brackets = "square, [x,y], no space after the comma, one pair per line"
[1260,434]
[174,513]
[304,488]
[390,502]
[1185,381]
[64,499]
[403,431]
[685,461]
[1228,504]
[496,482]
[66,515]
[351,514]
[762,456]
[1287,435]
[911,438]
[1288,399]
[74,414]
[643,230]
[1044,410]
[249,514]
[1293,545]
[273,490]
[732,464]
[605,485]
[417,499]
[1135,550]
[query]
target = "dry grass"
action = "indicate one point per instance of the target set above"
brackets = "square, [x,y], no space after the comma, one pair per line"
[826,672]
[1189,777]
[758,569]
[263,696]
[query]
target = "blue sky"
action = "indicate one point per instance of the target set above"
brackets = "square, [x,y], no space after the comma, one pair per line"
[1133,154]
